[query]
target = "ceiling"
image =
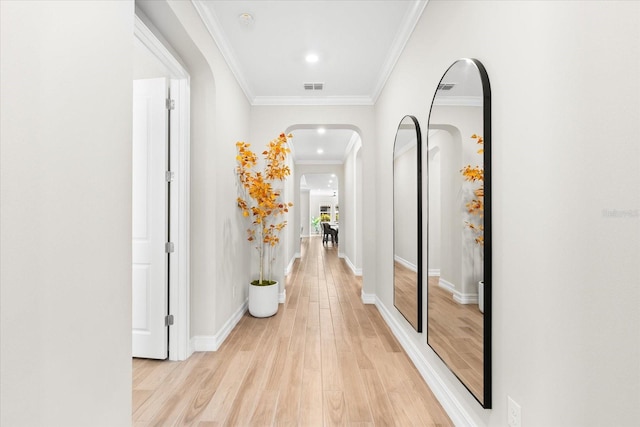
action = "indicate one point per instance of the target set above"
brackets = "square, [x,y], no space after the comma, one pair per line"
[322,145]
[265,43]
[323,184]
[357,43]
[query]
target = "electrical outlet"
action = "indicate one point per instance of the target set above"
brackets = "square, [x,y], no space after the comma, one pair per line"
[514,416]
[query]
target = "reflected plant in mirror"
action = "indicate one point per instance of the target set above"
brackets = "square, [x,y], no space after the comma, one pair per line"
[407,221]
[459,226]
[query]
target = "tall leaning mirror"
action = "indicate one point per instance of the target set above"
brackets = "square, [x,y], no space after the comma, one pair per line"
[407,222]
[459,226]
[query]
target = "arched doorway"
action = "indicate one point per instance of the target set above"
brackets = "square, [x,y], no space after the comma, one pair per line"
[320,153]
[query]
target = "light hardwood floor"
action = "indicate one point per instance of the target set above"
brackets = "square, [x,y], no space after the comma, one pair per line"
[324,359]
[455,332]
[405,292]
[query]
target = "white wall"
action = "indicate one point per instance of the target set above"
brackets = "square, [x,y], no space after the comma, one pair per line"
[566,158]
[305,214]
[460,261]
[405,207]
[65,223]
[269,121]
[350,237]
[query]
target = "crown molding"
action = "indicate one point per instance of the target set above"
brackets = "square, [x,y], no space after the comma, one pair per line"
[318,162]
[312,100]
[402,37]
[212,24]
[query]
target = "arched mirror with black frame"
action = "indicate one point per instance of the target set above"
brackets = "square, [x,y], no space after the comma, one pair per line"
[407,221]
[459,226]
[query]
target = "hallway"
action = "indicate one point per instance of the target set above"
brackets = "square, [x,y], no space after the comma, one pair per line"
[324,359]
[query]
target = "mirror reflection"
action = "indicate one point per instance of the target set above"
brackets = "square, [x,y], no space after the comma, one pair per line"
[407,289]
[459,251]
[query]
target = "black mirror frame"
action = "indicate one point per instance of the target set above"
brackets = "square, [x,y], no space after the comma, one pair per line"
[486,401]
[419,294]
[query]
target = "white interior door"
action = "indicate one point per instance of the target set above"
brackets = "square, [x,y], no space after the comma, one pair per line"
[150,219]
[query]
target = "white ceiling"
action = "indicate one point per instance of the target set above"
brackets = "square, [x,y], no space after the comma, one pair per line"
[357,43]
[335,145]
[320,184]
[331,147]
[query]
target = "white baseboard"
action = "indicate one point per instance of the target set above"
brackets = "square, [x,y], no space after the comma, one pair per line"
[368,298]
[282,297]
[459,297]
[356,271]
[459,416]
[289,268]
[447,286]
[213,343]
[434,272]
[405,263]
[203,343]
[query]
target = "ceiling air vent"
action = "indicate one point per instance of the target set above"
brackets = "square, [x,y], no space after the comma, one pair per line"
[313,86]
[446,86]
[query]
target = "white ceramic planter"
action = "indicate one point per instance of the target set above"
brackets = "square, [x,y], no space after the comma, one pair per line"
[481,296]
[263,300]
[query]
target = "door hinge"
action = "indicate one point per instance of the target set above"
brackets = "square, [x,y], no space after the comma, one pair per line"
[169,176]
[171,104]
[168,247]
[168,320]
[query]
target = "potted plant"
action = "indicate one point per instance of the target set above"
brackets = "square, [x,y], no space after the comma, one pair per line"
[315,222]
[475,208]
[261,201]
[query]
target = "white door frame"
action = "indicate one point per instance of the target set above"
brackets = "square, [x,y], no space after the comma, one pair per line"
[179,290]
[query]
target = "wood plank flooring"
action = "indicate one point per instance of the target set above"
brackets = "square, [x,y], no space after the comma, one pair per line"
[405,292]
[455,332]
[324,359]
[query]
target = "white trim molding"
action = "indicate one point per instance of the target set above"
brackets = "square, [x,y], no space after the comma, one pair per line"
[459,416]
[301,101]
[459,297]
[402,37]
[405,263]
[155,46]
[213,342]
[212,23]
[289,268]
[368,298]
[282,297]
[179,291]
[356,271]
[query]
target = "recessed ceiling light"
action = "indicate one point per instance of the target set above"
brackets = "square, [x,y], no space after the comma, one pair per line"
[245,18]
[320,151]
[311,58]
[321,130]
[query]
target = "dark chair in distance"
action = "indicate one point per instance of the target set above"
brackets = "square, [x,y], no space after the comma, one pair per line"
[328,232]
